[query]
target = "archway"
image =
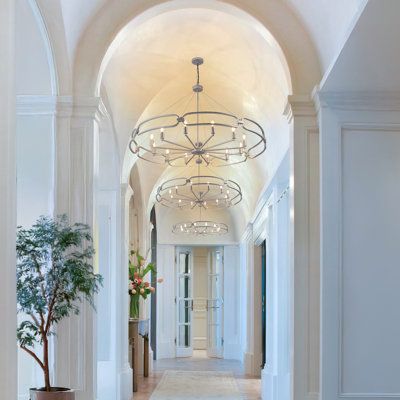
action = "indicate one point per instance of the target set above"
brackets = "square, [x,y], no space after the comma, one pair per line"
[131,55]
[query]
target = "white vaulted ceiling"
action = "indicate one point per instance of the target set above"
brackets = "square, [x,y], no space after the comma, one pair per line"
[250,67]
[244,70]
[327,21]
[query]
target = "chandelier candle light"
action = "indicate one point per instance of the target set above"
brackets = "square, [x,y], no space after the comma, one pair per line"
[199,191]
[211,137]
[200,228]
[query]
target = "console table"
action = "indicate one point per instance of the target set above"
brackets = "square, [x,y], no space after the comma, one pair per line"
[139,328]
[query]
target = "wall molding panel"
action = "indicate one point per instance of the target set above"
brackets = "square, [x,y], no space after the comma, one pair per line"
[360,143]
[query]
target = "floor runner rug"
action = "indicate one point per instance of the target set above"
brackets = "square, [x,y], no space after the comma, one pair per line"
[196,385]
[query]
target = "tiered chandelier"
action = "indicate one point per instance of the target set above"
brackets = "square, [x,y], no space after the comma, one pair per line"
[198,137]
[200,228]
[199,191]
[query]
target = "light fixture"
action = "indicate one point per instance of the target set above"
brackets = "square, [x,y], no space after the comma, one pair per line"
[199,136]
[199,191]
[200,228]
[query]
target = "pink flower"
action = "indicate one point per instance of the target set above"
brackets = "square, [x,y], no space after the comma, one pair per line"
[130,285]
[160,280]
[152,290]
[146,284]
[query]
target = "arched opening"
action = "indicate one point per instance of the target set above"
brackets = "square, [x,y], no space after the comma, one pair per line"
[246,70]
[36,87]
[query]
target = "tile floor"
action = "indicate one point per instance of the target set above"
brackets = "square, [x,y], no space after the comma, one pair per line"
[249,387]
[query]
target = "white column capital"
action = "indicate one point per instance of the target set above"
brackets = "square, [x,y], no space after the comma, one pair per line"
[62,106]
[357,101]
[89,107]
[299,106]
[126,191]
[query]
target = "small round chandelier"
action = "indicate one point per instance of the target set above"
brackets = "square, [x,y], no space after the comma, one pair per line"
[200,228]
[199,191]
[211,137]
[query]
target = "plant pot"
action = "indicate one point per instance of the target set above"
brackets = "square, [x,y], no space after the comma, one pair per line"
[56,393]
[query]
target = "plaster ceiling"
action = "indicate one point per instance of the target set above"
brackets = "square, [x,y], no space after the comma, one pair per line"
[327,22]
[244,71]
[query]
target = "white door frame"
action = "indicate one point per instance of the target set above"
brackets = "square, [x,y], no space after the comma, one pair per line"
[184,351]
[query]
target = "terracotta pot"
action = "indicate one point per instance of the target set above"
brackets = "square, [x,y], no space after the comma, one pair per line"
[56,393]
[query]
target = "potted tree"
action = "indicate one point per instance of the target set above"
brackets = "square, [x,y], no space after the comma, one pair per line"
[54,275]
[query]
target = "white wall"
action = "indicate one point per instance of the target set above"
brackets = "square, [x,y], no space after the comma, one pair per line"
[360,145]
[8,359]
[272,222]
[166,301]
[232,321]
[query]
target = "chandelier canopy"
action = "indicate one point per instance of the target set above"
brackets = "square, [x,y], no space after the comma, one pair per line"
[199,191]
[198,136]
[200,228]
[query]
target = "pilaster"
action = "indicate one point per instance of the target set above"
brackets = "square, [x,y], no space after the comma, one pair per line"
[304,245]
[76,173]
[8,359]
[124,369]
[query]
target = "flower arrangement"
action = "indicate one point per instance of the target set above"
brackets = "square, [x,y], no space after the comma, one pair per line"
[138,287]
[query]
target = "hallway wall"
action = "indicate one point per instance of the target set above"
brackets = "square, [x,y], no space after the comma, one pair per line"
[360,251]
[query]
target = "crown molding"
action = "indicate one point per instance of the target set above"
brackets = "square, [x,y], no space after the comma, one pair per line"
[358,101]
[61,106]
[44,105]
[299,106]
[248,233]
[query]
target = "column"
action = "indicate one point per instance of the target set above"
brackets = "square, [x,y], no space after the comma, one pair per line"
[76,166]
[123,366]
[304,246]
[8,359]
[248,249]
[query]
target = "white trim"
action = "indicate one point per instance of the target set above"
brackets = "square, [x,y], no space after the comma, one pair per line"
[61,106]
[49,50]
[357,101]
[342,130]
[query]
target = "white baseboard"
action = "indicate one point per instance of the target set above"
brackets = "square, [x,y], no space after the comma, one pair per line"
[276,386]
[232,351]
[166,350]
[125,384]
[248,362]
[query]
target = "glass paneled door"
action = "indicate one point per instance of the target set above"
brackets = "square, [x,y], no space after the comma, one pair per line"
[184,301]
[215,303]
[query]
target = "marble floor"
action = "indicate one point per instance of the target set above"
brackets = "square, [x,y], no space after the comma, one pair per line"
[249,387]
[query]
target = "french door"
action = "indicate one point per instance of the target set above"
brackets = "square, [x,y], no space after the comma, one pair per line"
[215,303]
[184,301]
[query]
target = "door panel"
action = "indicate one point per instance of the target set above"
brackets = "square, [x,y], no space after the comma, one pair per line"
[184,302]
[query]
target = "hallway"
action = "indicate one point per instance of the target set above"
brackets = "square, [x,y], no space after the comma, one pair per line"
[250,388]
